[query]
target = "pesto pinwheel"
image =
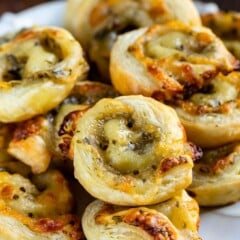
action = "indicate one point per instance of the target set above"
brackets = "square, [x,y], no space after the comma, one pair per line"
[211,116]
[168,61]
[98,23]
[131,150]
[216,179]
[39,68]
[175,219]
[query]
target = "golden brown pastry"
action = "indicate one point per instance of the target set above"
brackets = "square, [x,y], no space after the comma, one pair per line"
[37,210]
[131,150]
[31,142]
[211,116]
[168,61]
[39,67]
[226,25]
[216,179]
[175,219]
[97,23]
[15,225]
[48,194]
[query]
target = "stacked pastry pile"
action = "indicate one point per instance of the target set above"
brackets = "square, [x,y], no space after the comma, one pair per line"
[167,55]
[39,68]
[174,129]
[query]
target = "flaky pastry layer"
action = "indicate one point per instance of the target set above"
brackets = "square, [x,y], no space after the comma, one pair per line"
[131,150]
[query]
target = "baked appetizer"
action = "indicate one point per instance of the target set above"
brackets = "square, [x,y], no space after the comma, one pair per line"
[97,23]
[168,61]
[37,210]
[226,25]
[216,179]
[211,116]
[31,143]
[48,194]
[39,67]
[15,225]
[179,220]
[131,150]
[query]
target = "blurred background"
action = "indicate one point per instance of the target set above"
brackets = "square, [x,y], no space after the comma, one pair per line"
[18,5]
[227,4]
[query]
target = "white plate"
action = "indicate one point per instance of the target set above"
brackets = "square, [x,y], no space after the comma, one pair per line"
[221,223]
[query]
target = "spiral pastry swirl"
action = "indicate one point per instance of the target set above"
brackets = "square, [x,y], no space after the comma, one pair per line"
[131,150]
[98,23]
[111,221]
[216,179]
[168,61]
[211,115]
[39,67]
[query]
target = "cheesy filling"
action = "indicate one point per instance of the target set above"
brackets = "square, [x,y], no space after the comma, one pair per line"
[221,95]
[27,58]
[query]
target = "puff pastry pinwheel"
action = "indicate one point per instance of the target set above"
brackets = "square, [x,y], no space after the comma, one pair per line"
[48,195]
[39,67]
[145,223]
[216,179]
[15,225]
[131,150]
[97,23]
[226,25]
[30,143]
[211,115]
[168,61]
